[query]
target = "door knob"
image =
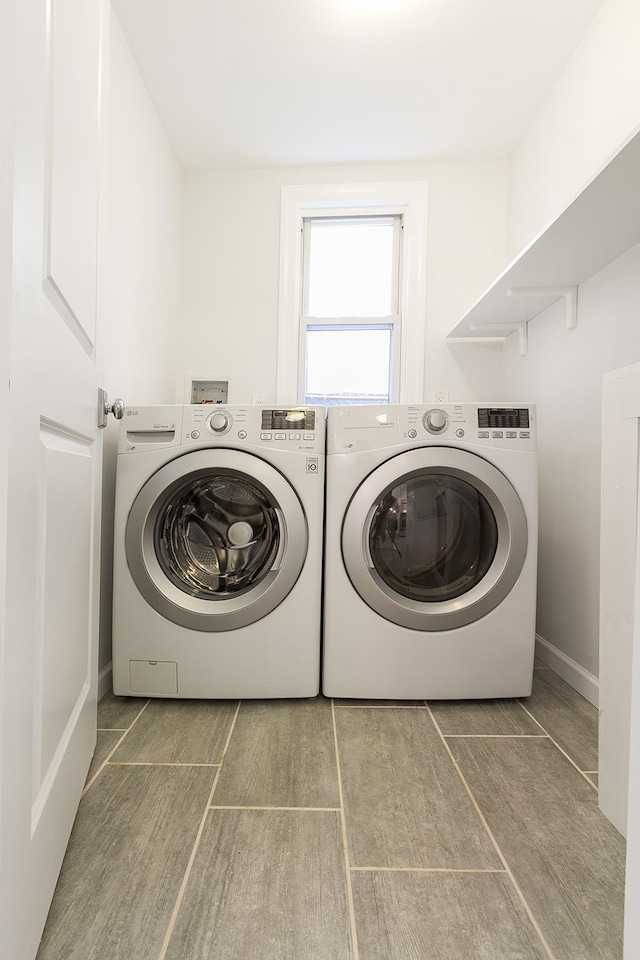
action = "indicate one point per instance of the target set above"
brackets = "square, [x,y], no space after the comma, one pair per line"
[105,408]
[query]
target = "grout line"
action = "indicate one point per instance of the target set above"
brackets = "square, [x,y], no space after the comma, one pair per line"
[496,736]
[304,809]
[345,843]
[557,745]
[112,729]
[104,763]
[591,772]
[226,749]
[483,820]
[187,873]
[423,870]
[156,763]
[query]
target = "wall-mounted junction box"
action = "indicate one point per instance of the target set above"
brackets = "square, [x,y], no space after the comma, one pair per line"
[205,390]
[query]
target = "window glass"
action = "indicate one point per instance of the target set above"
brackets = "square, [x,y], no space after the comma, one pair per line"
[351,265]
[348,364]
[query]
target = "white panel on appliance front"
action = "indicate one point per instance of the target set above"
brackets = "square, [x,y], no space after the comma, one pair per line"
[74,145]
[62,580]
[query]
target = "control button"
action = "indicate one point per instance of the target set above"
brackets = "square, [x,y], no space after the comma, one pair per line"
[511,435]
[242,434]
[497,434]
[483,434]
[265,436]
[459,432]
[219,422]
[524,435]
[309,436]
[280,436]
[195,434]
[294,436]
[435,421]
[412,433]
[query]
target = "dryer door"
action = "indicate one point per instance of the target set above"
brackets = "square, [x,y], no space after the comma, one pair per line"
[216,539]
[434,538]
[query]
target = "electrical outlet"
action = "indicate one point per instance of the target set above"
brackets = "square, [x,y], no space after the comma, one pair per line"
[441,396]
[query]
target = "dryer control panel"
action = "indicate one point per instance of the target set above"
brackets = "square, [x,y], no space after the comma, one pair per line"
[371,427]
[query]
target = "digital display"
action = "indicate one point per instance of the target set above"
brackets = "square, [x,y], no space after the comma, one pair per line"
[503,417]
[288,419]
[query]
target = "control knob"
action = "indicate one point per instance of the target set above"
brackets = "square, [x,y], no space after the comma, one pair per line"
[435,421]
[219,422]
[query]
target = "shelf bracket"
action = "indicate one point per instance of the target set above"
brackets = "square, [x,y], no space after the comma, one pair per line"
[506,329]
[570,295]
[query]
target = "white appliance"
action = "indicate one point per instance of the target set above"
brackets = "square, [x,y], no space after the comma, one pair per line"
[430,551]
[218,552]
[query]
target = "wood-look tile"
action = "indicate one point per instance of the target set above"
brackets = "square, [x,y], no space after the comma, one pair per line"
[265,885]
[179,731]
[566,857]
[483,718]
[570,719]
[118,713]
[106,741]
[405,804]
[125,862]
[282,753]
[444,916]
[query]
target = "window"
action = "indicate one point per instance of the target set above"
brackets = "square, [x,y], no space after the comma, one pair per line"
[349,340]
[352,286]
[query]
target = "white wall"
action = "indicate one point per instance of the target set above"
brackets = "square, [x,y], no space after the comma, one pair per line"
[592,110]
[563,375]
[140,271]
[231,264]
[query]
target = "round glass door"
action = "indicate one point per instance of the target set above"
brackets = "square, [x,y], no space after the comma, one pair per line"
[216,539]
[434,538]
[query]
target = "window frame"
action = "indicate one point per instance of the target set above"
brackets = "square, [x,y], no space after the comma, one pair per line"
[390,321]
[405,199]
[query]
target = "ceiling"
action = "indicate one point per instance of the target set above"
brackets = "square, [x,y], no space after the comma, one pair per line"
[273,83]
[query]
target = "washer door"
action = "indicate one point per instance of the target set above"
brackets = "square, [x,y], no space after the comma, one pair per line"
[434,538]
[216,539]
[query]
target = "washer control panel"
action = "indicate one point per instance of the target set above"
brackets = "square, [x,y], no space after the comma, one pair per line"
[292,428]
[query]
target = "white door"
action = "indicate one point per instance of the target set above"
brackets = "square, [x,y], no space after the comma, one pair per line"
[48,709]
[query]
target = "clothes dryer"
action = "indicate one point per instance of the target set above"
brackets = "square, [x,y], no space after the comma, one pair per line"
[430,551]
[218,552]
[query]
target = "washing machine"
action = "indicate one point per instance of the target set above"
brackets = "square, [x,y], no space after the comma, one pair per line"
[218,552]
[430,551]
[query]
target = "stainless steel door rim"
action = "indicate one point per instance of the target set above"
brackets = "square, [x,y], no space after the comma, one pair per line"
[169,595]
[502,571]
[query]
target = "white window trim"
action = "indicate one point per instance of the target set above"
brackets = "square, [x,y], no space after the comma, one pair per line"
[407,199]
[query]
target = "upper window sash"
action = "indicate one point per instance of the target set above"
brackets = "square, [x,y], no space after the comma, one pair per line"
[312,224]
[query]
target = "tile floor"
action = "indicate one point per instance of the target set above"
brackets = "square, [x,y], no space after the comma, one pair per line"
[346,830]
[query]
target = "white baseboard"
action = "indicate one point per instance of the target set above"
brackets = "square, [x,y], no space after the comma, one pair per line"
[105,682]
[576,676]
